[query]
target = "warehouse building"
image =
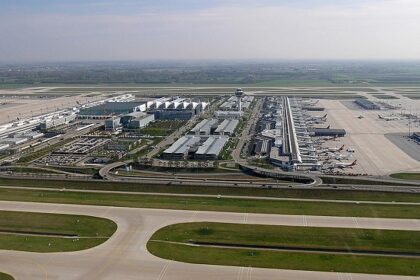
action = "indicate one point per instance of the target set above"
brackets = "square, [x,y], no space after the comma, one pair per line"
[227,127]
[181,148]
[211,148]
[366,104]
[205,127]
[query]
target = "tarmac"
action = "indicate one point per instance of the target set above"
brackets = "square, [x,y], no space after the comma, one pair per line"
[375,154]
[124,255]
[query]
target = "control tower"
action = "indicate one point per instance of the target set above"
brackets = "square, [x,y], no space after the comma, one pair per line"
[239,93]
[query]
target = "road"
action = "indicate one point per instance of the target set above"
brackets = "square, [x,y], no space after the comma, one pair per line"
[124,255]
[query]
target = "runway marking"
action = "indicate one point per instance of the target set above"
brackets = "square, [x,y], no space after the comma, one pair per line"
[163,271]
[248,273]
[355,222]
[305,221]
[193,216]
[339,276]
[246,216]
[240,272]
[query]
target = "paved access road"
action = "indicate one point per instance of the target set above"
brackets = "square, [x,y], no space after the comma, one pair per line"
[124,256]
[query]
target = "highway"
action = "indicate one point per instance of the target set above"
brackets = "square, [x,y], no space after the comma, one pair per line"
[124,255]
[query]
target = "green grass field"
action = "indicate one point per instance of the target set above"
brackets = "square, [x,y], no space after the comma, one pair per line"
[4,276]
[406,176]
[286,260]
[286,193]
[42,232]
[215,204]
[290,236]
[162,244]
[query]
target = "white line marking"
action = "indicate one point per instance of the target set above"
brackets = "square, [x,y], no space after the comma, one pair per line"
[163,271]
[193,216]
[248,275]
[305,221]
[246,215]
[240,272]
[356,222]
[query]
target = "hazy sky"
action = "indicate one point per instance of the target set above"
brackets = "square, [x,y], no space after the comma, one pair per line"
[68,30]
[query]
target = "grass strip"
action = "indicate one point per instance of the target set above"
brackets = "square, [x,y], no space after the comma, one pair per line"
[215,204]
[44,232]
[4,276]
[406,176]
[286,260]
[292,236]
[286,193]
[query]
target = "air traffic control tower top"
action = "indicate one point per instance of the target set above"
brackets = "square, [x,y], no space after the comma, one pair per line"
[239,93]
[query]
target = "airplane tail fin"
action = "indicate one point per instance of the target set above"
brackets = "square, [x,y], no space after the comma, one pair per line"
[341,148]
[354,162]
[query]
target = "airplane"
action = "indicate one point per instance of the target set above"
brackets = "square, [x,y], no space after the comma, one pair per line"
[360,117]
[387,118]
[340,156]
[345,164]
[335,149]
[319,117]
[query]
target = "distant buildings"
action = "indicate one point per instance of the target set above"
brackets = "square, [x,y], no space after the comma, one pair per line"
[366,104]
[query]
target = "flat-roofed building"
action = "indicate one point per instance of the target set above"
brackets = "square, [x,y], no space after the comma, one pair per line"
[204,127]
[227,127]
[367,104]
[228,115]
[211,148]
[179,149]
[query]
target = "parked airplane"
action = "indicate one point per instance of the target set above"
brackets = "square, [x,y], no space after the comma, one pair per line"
[388,118]
[345,164]
[340,156]
[335,149]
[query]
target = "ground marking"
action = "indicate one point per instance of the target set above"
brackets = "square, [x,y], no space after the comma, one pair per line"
[163,271]
[305,221]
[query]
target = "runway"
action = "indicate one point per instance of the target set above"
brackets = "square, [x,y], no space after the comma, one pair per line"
[124,255]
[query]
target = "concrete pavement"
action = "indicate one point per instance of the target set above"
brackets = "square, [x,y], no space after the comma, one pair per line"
[124,255]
